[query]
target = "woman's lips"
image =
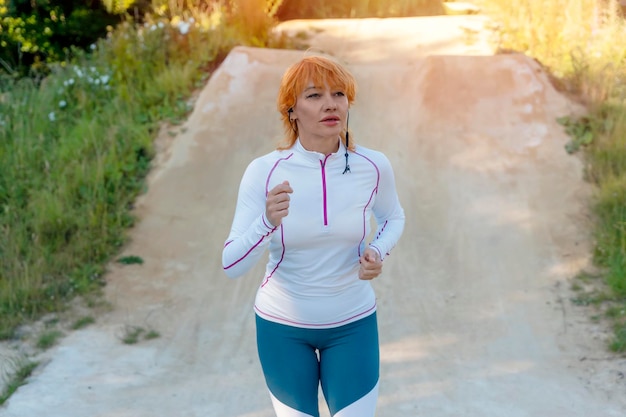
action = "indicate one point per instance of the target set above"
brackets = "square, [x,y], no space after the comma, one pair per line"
[331,121]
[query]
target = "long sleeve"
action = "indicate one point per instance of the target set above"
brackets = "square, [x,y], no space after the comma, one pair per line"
[387,211]
[251,231]
[311,271]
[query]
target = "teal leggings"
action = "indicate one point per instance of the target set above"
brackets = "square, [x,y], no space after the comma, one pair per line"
[344,360]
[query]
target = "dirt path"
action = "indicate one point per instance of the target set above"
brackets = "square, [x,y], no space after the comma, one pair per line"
[474,308]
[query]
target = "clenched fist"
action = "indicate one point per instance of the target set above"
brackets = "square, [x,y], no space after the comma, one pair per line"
[277,203]
[371,265]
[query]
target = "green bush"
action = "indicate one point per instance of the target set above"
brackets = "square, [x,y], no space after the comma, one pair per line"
[75,149]
[34,33]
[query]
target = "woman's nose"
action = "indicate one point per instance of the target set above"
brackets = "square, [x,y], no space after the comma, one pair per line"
[330,104]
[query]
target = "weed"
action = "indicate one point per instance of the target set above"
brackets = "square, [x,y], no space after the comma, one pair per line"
[152,334]
[133,334]
[130,260]
[48,339]
[618,343]
[17,379]
[579,131]
[75,150]
[617,312]
[83,322]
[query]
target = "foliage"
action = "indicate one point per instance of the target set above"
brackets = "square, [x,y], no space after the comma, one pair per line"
[48,339]
[575,39]
[36,32]
[83,322]
[618,343]
[579,129]
[18,378]
[132,334]
[130,260]
[74,152]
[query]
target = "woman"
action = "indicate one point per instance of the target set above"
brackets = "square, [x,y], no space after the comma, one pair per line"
[310,203]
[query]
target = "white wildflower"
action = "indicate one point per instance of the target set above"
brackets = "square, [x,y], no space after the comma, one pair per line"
[78,72]
[52,116]
[62,104]
[161,25]
[153,27]
[183,27]
[105,79]
[92,46]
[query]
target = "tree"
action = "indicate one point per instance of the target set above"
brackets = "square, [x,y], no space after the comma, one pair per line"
[36,32]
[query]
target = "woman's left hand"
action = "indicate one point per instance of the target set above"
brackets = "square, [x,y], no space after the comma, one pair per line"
[371,265]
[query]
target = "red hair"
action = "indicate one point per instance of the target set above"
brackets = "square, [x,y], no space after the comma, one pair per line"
[320,71]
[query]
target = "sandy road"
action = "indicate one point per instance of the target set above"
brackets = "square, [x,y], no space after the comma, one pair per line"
[473,303]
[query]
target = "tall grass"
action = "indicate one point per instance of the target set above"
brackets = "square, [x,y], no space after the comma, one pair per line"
[580,42]
[76,146]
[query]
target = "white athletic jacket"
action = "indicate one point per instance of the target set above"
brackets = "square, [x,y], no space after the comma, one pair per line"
[311,278]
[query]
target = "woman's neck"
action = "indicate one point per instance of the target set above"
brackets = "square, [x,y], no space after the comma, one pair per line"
[322,145]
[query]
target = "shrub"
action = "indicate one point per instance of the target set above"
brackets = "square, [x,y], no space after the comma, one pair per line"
[34,33]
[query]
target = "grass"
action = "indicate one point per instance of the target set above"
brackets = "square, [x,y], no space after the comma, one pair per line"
[76,146]
[133,334]
[17,379]
[575,41]
[130,260]
[83,322]
[48,339]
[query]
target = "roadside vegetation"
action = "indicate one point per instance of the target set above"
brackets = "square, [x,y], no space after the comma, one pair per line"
[577,41]
[76,133]
[23,369]
[76,144]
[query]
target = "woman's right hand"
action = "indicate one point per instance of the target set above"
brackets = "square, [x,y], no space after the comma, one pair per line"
[277,203]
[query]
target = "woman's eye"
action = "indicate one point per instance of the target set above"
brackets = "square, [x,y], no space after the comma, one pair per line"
[314,95]
[340,93]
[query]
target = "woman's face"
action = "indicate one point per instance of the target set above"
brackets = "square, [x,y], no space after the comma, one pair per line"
[320,113]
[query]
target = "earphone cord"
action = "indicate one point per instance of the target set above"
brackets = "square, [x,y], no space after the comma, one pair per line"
[347,144]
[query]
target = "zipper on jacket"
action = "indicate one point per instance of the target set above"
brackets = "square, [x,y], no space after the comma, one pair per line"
[324,202]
